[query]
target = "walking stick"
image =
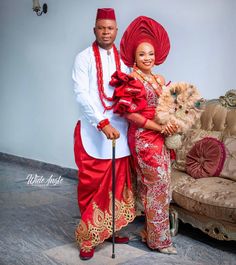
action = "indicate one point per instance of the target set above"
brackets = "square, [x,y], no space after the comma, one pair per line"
[113,195]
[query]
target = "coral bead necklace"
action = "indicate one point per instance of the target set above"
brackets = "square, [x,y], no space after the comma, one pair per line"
[156,84]
[98,60]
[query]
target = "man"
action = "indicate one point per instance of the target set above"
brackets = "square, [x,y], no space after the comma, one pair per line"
[92,147]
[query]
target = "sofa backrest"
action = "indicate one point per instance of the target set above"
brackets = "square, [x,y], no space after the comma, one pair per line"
[220,115]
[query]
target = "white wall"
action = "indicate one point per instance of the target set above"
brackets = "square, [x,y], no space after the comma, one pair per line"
[38,111]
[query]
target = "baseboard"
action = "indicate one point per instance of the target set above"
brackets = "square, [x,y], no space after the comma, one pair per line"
[62,171]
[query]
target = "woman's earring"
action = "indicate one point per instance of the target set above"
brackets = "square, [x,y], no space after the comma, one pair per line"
[134,65]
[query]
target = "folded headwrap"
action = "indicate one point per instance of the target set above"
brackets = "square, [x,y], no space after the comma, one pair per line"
[144,29]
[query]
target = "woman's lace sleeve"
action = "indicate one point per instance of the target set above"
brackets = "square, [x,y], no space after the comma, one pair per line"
[129,98]
[129,94]
[136,118]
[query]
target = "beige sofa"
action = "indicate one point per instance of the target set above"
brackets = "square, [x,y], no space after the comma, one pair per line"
[208,203]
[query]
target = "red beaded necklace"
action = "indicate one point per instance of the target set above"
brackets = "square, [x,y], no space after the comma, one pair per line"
[98,61]
[156,88]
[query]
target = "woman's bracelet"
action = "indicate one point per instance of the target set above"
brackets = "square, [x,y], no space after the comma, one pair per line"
[102,124]
[166,128]
[162,128]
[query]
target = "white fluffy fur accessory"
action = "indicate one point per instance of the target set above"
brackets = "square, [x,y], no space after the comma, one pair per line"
[179,103]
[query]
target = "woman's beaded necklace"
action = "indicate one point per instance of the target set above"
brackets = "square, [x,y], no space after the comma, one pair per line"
[98,61]
[157,87]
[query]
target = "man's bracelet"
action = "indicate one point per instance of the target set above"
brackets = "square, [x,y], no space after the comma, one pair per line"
[102,124]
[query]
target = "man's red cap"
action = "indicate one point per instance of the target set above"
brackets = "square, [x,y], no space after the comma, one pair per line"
[144,29]
[106,13]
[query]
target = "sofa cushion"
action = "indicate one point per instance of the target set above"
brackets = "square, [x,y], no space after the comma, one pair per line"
[213,197]
[206,158]
[229,168]
[191,137]
[179,178]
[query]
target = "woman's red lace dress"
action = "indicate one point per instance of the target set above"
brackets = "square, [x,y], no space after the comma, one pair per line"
[152,165]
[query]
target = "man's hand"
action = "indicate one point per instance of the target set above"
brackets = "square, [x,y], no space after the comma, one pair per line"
[110,132]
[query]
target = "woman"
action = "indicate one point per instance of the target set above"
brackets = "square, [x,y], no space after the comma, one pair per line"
[144,44]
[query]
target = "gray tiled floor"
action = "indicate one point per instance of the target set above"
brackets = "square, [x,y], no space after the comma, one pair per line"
[37,225]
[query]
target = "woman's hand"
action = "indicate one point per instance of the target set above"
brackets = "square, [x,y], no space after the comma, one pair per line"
[169,129]
[110,132]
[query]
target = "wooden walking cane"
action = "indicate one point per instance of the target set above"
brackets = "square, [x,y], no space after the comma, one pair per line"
[113,195]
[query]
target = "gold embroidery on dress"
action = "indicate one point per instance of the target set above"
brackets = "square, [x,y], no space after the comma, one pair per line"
[91,234]
[98,216]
